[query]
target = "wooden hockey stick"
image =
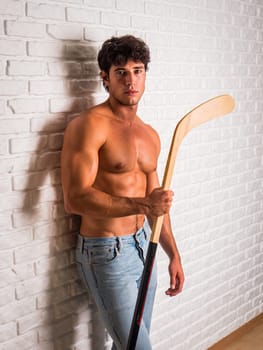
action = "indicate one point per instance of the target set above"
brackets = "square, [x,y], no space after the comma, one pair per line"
[213,108]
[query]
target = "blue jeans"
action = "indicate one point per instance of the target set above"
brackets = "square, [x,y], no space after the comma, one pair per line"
[111,269]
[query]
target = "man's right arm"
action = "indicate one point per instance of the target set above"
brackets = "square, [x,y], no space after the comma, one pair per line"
[79,166]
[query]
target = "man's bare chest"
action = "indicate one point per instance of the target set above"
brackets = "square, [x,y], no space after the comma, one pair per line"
[128,149]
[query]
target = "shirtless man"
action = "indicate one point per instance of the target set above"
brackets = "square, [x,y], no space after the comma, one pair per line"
[109,178]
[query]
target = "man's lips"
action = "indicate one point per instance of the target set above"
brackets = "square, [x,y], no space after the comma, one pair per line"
[131,92]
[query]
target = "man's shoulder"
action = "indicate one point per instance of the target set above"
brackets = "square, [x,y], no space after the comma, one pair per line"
[99,111]
[88,128]
[150,129]
[91,118]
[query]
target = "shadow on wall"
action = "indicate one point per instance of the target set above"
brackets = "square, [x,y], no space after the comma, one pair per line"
[69,316]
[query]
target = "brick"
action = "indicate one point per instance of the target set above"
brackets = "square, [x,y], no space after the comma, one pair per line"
[1,27]
[84,87]
[13,126]
[30,181]
[45,49]
[134,6]
[65,69]
[82,15]
[47,265]
[66,105]
[31,252]
[3,145]
[12,47]
[25,29]
[96,34]
[51,229]
[2,68]
[22,342]
[90,69]
[4,184]
[50,124]
[26,68]
[28,144]
[5,220]
[62,244]
[30,217]
[55,142]
[8,277]
[7,165]
[53,296]
[45,345]
[55,176]
[157,9]
[28,105]
[100,3]
[80,52]
[6,256]
[54,12]
[144,23]
[46,87]
[32,287]
[65,32]
[66,308]
[13,7]
[23,270]
[34,320]
[7,331]
[2,107]
[13,88]
[12,164]
[15,239]
[122,19]
[48,160]
[71,1]
[58,211]
[61,329]
[7,296]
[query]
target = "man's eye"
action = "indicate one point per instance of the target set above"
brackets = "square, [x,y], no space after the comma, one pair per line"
[138,71]
[121,73]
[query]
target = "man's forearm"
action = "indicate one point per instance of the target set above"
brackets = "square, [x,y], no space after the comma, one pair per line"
[98,203]
[168,244]
[167,240]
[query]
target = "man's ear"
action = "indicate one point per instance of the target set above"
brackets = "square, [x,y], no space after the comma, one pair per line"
[105,79]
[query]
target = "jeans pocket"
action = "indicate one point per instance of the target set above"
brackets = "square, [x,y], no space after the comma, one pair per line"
[142,246]
[101,255]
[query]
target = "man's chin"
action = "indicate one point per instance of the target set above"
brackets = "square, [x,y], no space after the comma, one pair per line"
[130,102]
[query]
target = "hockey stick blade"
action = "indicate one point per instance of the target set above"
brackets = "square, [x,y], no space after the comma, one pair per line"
[211,109]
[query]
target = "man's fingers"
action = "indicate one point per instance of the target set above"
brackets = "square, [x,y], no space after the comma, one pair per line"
[174,287]
[173,282]
[161,201]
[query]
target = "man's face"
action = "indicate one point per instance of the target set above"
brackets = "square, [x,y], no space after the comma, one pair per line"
[126,83]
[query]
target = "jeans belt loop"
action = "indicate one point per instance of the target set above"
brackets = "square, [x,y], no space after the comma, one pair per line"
[82,245]
[119,245]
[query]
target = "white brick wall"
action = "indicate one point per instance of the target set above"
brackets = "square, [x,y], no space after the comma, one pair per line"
[48,73]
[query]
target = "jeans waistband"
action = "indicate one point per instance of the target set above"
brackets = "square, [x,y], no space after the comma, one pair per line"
[122,240]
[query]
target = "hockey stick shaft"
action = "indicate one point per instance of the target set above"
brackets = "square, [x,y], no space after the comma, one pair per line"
[142,294]
[208,110]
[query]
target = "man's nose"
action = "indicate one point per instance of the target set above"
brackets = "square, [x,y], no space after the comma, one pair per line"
[130,79]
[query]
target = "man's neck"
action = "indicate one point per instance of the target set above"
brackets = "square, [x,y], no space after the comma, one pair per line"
[123,112]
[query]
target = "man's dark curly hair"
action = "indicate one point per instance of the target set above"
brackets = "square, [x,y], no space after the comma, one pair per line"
[118,50]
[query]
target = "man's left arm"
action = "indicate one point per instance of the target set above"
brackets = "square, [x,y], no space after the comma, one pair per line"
[176,272]
[168,243]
